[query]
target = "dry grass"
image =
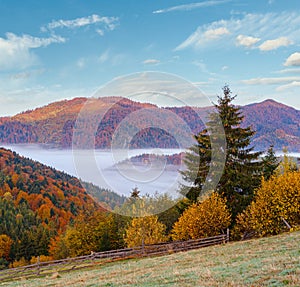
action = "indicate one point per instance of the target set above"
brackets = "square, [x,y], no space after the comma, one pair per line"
[273,261]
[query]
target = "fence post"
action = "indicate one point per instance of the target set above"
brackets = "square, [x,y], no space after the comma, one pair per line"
[227,235]
[38,265]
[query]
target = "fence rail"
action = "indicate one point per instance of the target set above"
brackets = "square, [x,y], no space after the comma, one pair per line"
[41,269]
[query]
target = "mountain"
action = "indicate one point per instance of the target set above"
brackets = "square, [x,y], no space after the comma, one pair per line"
[141,125]
[275,124]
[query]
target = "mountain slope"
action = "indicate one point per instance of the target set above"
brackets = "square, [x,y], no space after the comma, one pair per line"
[275,124]
[38,202]
[53,195]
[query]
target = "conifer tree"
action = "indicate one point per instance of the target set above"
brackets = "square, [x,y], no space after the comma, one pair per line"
[242,171]
[270,163]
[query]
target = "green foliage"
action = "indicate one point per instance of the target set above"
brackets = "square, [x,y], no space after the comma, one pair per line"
[99,232]
[167,209]
[242,170]
[270,163]
[27,232]
[208,218]
[104,196]
[277,199]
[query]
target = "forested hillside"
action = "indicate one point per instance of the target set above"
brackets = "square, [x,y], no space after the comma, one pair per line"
[275,124]
[38,202]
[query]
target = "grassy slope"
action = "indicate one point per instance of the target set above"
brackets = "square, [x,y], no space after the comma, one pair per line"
[273,261]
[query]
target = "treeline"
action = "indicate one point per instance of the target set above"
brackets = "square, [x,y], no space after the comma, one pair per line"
[173,159]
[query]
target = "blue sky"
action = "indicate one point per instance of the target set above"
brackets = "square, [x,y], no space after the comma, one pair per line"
[52,50]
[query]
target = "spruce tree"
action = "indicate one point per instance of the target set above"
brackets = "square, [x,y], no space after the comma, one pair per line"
[270,163]
[242,171]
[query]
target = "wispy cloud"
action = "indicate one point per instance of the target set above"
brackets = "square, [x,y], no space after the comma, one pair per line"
[275,44]
[288,71]
[26,75]
[15,51]
[271,80]
[109,23]
[246,41]
[292,85]
[151,62]
[274,29]
[293,60]
[191,6]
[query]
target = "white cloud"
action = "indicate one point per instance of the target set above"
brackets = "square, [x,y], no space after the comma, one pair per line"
[283,28]
[292,85]
[247,41]
[100,32]
[15,51]
[275,44]
[109,23]
[293,60]
[191,6]
[215,33]
[202,37]
[270,81]
[151,62]
[224,68]
[288,71]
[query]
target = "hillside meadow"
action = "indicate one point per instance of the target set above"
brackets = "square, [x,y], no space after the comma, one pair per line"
[270,261]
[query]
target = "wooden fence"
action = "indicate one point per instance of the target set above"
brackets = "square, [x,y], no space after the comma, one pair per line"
[42,269]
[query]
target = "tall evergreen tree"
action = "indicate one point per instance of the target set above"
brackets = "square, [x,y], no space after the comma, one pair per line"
[242,170]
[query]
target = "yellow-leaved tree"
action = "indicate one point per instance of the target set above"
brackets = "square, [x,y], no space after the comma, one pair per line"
[145,230]
[5,245]
[276,206]
[203,219]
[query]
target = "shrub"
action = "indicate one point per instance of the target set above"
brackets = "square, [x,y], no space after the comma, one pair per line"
[276,201]
[147,230]
[208,218]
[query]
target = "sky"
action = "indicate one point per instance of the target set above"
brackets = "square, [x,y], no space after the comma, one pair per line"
[54,50]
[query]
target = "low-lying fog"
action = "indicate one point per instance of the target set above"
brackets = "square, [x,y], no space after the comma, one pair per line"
[99,167]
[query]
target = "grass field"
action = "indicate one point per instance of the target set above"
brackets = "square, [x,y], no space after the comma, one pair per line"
[273,261]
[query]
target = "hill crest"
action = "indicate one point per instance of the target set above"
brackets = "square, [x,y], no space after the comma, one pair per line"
[275,123]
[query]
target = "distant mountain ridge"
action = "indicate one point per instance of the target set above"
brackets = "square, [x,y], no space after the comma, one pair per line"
[275,124]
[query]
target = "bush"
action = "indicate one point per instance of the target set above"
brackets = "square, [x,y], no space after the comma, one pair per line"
[276,201]
[19,263]
[208,218]
[147,230]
